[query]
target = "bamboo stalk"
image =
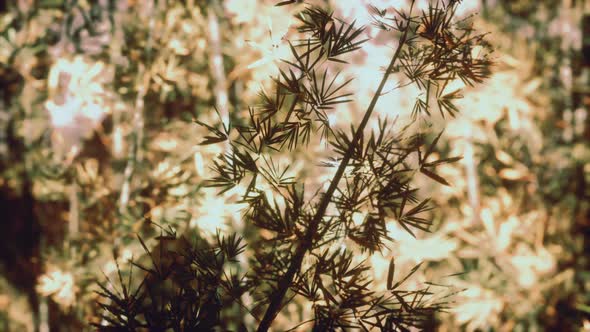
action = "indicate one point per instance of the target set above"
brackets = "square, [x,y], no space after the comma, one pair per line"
[472,178]
[135,153]
[74,217]
[220,92]
[43,314]
[216,64]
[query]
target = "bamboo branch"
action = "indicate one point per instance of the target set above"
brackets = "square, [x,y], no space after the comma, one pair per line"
[304,246]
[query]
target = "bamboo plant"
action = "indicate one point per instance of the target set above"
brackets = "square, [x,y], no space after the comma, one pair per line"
[191,283]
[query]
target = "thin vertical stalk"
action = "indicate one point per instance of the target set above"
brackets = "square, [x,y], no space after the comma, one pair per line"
[43,314]
[216,64]
[471,174]
[74,216]
[137,139]
[135,153]
[217,69]
[306,244]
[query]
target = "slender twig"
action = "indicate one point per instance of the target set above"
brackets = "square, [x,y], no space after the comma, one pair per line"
[306,244]
[294,328]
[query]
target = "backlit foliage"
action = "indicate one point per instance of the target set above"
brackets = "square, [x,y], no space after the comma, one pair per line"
[307,242]
[199,165]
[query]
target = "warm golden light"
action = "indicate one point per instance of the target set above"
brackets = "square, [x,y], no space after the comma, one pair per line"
[59,285]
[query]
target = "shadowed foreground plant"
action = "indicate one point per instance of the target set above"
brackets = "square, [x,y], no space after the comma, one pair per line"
[304,258]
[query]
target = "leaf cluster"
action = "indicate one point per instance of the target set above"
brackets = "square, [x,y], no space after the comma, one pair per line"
[343,297]
[439,50]
[184,287]
[378,184]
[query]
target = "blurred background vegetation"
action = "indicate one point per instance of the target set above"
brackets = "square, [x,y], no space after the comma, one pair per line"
[98,144]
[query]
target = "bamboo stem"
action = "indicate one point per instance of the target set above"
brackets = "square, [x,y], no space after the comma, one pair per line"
[135,153]
[74,217]
[472,178]
[137,138]
[216,65]
[43,314]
